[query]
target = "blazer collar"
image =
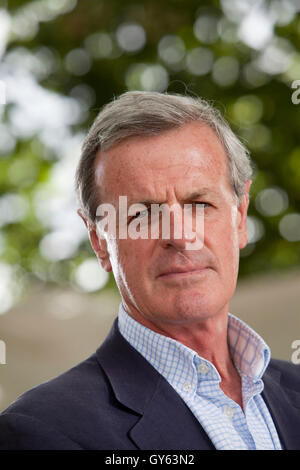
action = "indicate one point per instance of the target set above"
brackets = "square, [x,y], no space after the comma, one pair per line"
[284,406]
[165,422]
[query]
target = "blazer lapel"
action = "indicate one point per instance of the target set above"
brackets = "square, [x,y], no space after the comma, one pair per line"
[284,406]
[165,421]
[168,424]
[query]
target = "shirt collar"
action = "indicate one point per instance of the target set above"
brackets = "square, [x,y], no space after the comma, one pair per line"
[249,352]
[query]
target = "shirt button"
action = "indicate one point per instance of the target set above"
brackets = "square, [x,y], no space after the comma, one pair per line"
[229,412]
[203,368]
[187,387]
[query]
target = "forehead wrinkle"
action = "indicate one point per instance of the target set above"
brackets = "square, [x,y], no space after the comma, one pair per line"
[187,196]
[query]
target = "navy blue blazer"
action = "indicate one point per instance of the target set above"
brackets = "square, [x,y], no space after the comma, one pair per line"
[115,400]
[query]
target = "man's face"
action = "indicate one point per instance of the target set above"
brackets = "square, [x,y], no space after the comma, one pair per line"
[171,168]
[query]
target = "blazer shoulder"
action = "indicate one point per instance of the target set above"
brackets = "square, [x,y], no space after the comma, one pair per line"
[22,432]
[289,372]
[62,404]
[75,383]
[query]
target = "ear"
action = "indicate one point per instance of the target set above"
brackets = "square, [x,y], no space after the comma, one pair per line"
[242,216]
[99,245]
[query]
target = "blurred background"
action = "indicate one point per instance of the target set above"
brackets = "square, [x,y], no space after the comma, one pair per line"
[61,61]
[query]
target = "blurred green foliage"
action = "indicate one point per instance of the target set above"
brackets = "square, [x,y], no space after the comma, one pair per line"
[82,51]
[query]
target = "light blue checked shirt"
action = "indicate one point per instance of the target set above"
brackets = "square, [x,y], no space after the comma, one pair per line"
[197,380]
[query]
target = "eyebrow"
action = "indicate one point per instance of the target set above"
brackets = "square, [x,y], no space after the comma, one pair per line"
[194,195]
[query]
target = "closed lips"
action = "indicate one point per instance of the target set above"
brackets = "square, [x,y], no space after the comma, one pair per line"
[182,271]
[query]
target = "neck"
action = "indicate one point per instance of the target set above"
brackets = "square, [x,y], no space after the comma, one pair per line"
[208,338]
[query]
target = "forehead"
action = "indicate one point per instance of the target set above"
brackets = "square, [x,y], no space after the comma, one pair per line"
[183,159]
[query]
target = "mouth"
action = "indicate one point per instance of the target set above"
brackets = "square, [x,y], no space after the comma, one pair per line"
[183,273]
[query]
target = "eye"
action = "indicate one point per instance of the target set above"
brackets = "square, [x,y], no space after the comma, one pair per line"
[201,203]
[140,215]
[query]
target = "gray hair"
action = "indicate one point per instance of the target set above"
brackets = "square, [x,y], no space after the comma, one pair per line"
[138,113]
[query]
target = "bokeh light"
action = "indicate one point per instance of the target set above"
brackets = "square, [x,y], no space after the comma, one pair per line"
[276,57]
[8,141]
[13,208]
[206,29]
[89,275]
[199,61]
[100,45]
[255,229]
[154,78]
[272,201]
[247,110]
[10,286]
[131,37]
[257,137]
[225,71]
[256,29]
[171,49]
[147,77]
[58,245]
[78,62]
[289,227]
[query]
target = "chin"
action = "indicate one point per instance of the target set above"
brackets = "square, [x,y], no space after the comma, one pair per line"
[191,308]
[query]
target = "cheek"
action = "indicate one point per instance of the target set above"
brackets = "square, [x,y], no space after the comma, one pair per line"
[119,254]
[128,259]
[221,236]
[114,256]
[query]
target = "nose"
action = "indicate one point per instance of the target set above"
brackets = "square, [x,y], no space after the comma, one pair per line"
[177,229]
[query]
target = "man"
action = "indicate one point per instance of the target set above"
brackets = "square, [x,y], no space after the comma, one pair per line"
[177,371]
